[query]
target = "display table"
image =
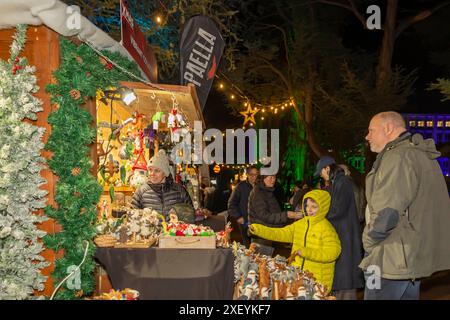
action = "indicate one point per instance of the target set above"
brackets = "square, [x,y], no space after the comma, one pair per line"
[172,274]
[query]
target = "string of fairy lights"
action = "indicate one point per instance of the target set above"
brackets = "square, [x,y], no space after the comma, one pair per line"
[265,111]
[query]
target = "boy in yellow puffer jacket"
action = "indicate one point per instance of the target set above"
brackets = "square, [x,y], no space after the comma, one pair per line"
[314,240]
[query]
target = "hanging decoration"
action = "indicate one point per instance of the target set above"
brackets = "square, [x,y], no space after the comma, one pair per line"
[20,165]
[249,114]
[72,133]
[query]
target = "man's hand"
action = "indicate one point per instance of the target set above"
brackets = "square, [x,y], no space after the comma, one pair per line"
[240,220]
[206,212]
[251,228]
[294,215]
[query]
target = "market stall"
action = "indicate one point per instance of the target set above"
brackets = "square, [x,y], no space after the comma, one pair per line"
[129,135]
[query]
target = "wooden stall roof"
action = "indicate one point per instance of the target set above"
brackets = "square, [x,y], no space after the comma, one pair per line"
[186,97]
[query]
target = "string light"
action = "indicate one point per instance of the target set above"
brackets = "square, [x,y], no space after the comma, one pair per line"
[158,19]
[262,118]
[238,94]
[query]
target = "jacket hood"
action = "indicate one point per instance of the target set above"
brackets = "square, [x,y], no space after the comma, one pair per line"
[323,199]
[416,141]
[426,145]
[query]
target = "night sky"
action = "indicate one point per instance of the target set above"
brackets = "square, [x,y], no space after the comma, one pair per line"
[416,48]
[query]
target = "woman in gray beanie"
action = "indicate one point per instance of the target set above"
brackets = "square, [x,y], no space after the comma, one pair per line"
[161,192]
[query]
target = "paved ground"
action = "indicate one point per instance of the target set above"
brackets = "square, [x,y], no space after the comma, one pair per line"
[437,287]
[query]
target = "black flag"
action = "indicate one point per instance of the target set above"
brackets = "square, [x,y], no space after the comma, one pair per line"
[201,48]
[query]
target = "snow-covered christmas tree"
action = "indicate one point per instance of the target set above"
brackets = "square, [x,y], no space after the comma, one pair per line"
[20,165]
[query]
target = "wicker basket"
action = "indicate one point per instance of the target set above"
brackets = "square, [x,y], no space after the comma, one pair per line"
[105,240]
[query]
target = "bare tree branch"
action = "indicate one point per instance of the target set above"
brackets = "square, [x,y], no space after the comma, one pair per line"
[349,5]
[286,49]
[269,65]
[282,14]
[408,22]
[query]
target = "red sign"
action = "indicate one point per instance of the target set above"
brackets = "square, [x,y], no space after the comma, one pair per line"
[134,41]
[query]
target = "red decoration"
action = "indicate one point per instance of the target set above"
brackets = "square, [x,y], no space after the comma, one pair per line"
[109,66]
[140,162]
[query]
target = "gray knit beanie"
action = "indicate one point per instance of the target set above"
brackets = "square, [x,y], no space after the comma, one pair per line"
[161,162]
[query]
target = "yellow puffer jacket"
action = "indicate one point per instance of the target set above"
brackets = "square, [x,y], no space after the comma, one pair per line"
[314,236]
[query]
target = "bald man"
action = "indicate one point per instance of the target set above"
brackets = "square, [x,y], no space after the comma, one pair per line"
[407,235]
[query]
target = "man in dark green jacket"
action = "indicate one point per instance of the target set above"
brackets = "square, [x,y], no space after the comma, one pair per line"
[407,235]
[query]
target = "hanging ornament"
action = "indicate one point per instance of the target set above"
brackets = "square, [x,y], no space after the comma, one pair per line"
[109,66]
[16,66]
[150,137]
[249,114]
[112,166]
[140,163]
[157,117]
[75,94]
[79,59]
[172,120]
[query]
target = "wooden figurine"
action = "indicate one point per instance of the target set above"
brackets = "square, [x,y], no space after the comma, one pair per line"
[264,280]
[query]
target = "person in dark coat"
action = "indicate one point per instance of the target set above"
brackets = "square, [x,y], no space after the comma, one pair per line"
[238,203]
[300,189]
[343,216]
[219,198]
[161,192]
[263,208]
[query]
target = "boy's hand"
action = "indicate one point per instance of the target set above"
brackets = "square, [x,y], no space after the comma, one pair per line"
[293,255]
[240,220]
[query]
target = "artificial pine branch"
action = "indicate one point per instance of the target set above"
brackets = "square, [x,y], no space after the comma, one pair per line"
[77,192]
[20,166]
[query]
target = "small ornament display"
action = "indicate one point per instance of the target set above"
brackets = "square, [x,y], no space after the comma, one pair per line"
[182,229]
[126,294]
[259,277]
[223,237]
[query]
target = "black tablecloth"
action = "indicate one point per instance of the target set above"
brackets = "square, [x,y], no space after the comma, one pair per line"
[172,274]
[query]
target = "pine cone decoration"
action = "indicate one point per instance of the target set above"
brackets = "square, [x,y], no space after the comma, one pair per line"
[103,61]
[82,210]
[76,171]
[75,94]
[79,294]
